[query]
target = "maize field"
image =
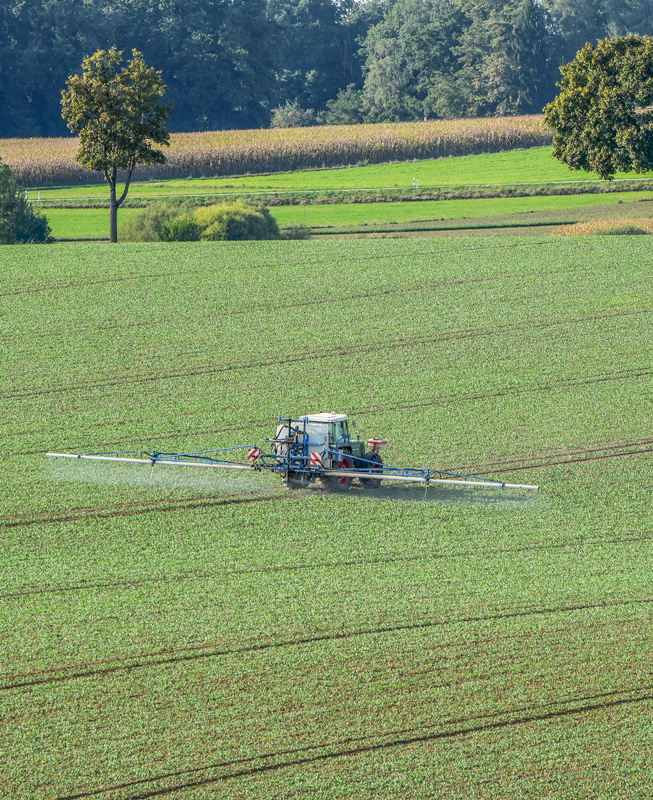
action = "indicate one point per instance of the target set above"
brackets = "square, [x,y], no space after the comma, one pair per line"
[41,162]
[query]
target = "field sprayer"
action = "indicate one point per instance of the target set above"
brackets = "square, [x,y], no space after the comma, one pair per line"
[304,450]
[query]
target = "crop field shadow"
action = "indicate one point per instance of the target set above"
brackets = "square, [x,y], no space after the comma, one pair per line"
[166,478]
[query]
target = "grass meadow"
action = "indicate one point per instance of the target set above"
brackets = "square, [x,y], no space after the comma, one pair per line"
[185,636]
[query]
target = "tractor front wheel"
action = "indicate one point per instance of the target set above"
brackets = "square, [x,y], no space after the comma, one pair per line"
[340,483]
[375,463]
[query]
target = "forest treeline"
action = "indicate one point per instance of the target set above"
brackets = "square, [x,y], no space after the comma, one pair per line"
[231,63]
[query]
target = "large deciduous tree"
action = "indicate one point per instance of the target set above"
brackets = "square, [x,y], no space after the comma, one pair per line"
[118,118]
[603,117]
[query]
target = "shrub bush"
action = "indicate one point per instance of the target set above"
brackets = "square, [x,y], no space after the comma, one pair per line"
[167,222]
[183,228]
[236,221]
[149,224]
[19,223]
[292,115]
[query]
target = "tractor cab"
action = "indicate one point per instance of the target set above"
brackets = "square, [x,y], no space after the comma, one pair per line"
[333,430]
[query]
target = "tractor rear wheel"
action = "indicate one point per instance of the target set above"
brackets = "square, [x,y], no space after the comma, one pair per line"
[340,483]
[376,465]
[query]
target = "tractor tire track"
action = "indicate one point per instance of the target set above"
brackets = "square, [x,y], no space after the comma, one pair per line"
[38,334]
[566,383]
[106,512]
[199,353]
[337,352]
[55,287]
[343,748]
[167,657]
[565,462]
[127,583]
[33,289]
[267,307]
[503,465]
[90,510]
[548,456]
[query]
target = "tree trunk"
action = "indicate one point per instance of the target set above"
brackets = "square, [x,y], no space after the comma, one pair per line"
[115,204]
[113,213]
[113,219]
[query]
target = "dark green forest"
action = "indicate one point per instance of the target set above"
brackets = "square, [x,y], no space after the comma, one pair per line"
[231,63]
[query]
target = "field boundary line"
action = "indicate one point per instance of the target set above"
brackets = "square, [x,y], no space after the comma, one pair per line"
[329,191]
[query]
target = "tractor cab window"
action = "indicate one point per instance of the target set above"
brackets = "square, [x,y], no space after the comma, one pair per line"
[338,432]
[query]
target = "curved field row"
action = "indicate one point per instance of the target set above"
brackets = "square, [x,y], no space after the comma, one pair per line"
[210,650]
[335,352]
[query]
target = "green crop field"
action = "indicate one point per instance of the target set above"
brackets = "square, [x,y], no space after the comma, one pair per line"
[526,168]
[93,223]
[343,215]
[82,223]
[533,166]
[185,636]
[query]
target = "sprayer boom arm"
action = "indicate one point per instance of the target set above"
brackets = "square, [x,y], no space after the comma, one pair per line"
[297,464]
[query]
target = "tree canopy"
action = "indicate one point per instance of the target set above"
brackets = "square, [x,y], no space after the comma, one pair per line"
[582,21]
[603,117]
[116,113]
[229,63]
[451,58]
